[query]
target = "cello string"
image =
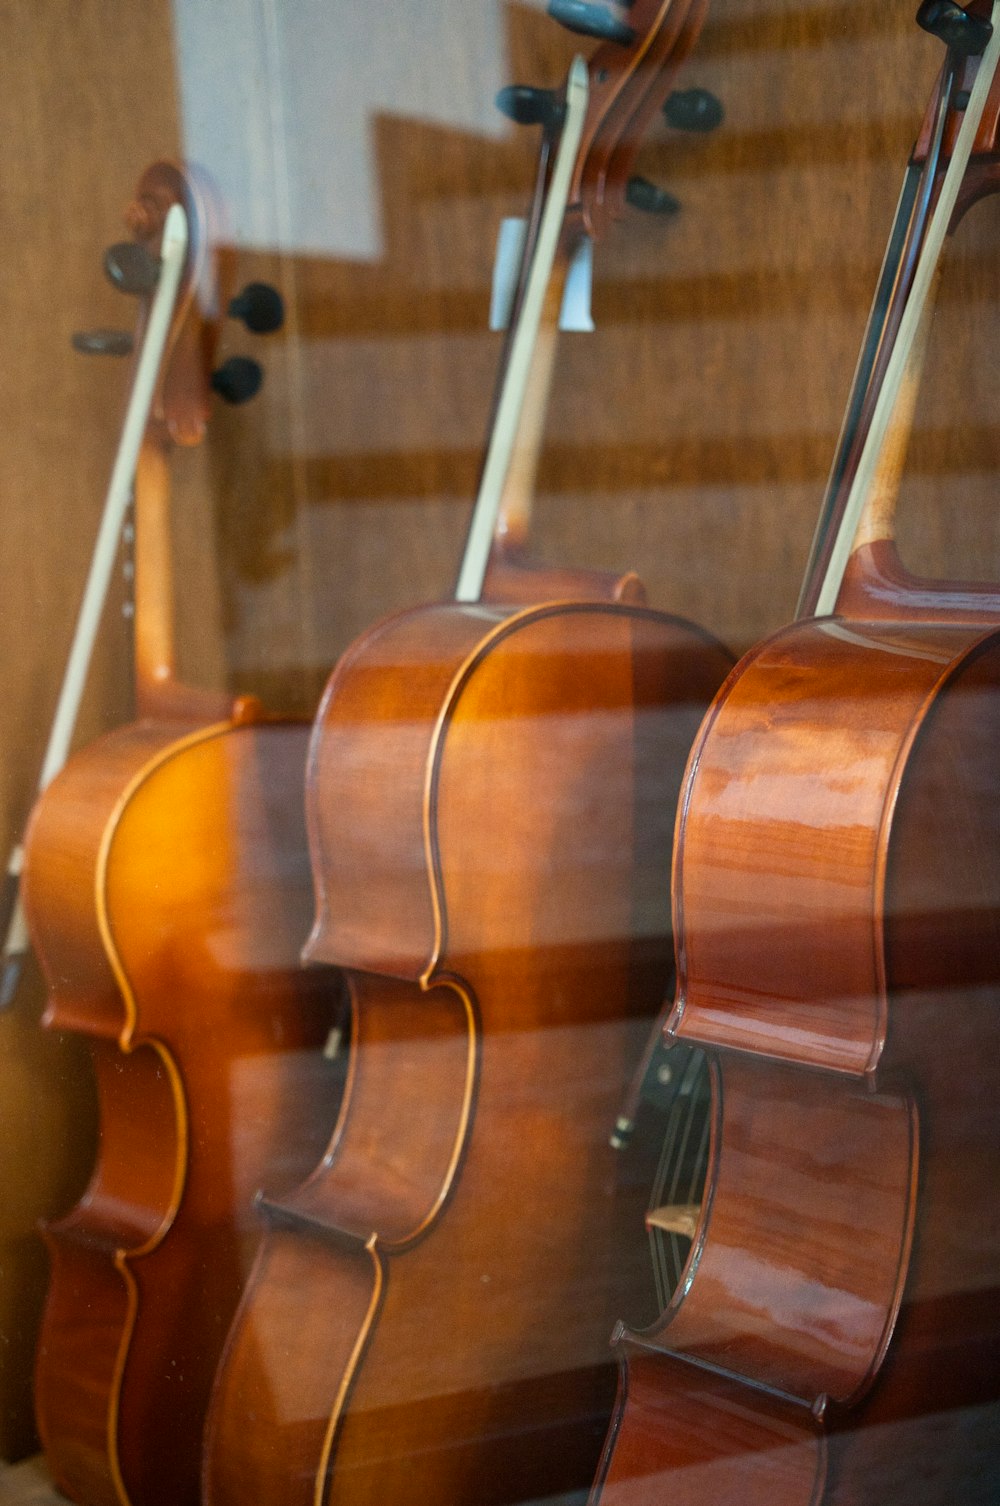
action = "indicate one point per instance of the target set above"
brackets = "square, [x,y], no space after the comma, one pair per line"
[657,1242]
[699,1168]
[679,1162]
[696,1081]
[690,1095]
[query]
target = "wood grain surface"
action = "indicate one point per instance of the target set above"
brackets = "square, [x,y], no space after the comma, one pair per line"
[490,798]
[691,434]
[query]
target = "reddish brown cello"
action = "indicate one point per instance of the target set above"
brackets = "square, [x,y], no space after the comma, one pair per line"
[835,1336]
[167,891]
[490,788]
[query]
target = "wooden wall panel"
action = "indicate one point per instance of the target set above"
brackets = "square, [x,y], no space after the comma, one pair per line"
[690,436]
[692,432]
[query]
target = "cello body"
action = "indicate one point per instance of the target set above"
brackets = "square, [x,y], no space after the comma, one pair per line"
[490,790]
[835,1335]
[168,892]
[840,1313]
[490,801]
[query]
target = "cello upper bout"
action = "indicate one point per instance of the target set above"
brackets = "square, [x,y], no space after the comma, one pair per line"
[838,1257]
[784,838]
[505,698]
[62,877]
[366,790]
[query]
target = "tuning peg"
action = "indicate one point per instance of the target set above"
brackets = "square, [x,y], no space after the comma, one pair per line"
[953,25]
[238,380]
[591,21]
[130,268]
[260,306]
[103,342]
[527,106]
[694,110]
[650,198]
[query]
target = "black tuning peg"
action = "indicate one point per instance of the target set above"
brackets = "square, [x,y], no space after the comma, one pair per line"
[527,106]
[694,110]
[591,21]
[103,342]
[953,25]
[651,199]
[130,268]
[238,379]
[260,306]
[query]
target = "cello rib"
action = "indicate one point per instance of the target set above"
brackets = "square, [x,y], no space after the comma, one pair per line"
[689,1434]
[504,931]
[841,923]
[194,849]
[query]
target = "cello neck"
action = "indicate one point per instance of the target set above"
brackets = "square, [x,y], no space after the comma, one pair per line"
[877,519]
[177,417]
[603,116]
[155,654]
[514,510]
[894,282]
[867,514]
[159,693]
[503,505]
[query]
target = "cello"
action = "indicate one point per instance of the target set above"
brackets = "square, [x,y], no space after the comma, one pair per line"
[166,889]
[489,790]
[835,1333]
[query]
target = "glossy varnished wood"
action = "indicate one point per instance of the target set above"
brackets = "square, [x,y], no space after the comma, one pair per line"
[485,840]
[691,1436]
[792,1154]
[685,421]
[837,875]
[168,891]
[817,993]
